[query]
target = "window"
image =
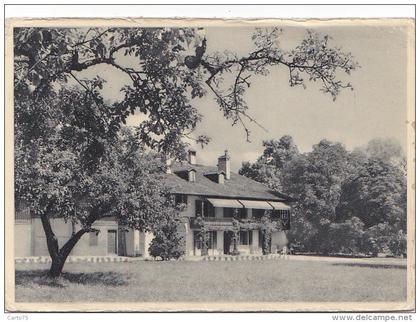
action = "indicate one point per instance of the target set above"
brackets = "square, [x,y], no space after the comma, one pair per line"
[257,213]
[230,212]
[180,199]
[242,213]
[191,176]
[93,238]
[212,242]
[221,178]
[209,210]
[204,208]
[285,219]
[284,214]
[281,214]
[199,208]
[197,241]
[245,237]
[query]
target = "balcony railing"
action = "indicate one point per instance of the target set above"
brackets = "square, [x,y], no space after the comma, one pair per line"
[214,219]
[245,223]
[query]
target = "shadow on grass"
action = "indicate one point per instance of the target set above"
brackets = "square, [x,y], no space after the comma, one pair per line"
[39,277]
[371,265]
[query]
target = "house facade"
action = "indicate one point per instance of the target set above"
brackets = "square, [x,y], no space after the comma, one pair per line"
[228,207]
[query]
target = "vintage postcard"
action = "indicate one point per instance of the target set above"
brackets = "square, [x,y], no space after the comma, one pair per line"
[209,165]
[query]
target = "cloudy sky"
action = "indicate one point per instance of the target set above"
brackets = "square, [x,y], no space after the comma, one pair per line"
[376,108]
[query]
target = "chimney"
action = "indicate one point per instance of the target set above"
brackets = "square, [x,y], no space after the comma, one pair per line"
[224,164]
[192,157]
[168,164]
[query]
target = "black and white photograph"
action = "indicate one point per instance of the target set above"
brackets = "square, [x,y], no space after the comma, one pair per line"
[210,165]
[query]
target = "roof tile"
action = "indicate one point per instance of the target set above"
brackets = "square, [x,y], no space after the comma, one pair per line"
[237,187]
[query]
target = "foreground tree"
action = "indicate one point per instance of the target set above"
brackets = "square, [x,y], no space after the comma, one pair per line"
[168,67]
[79,177]
[67,139]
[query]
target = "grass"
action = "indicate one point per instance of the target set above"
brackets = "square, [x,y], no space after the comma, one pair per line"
[238,281]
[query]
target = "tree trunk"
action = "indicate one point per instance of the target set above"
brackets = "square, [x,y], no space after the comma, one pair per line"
[235,240]
[204,248]
[56,266]
[266,247]
[59,261]
[58,256]
[52,245]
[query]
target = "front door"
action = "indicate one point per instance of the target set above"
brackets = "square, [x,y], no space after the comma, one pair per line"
[112,242]
[227,238]
[122,242]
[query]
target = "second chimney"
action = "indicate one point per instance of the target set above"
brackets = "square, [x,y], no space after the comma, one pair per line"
[192,156]
[224,164]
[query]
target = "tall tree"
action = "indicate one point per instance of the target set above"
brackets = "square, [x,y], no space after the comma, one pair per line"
[376,194]
[269,166]
[315,181]
[72,174]
[387,149]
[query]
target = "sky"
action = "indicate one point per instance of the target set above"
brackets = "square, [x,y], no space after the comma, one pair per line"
[376,107]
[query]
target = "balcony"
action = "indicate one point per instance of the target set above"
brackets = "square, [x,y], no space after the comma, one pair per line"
[214,219]
[212,222]
[226,223]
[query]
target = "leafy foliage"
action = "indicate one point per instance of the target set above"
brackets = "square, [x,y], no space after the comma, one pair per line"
[167,243]
[269,166]
[67,171]
[163,74]
[347,202]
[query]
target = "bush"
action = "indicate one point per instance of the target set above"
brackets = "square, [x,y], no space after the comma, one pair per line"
[346,237]
[168,243]
[166,247]
[387,239]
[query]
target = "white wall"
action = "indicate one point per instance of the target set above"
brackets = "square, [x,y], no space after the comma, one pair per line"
[23,238]
[63,232]
[145,238]
[148,237]
[278,241]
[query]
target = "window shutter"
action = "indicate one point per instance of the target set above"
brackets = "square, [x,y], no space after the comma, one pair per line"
[198,208]
[211,211]
[285,219]
[242,212]
[215,239]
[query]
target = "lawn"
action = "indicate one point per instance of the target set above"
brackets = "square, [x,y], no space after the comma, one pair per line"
[247,281]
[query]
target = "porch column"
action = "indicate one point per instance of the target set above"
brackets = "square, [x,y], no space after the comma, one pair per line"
[254,246]
[220,242]
[249,213]
[189,240]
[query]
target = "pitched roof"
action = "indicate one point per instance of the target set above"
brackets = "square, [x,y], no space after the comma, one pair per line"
[236,187]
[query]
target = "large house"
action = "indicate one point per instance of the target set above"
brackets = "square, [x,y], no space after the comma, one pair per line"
[215,198]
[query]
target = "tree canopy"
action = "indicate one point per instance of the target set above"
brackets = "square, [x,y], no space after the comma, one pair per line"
[345,201]
[168,67]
